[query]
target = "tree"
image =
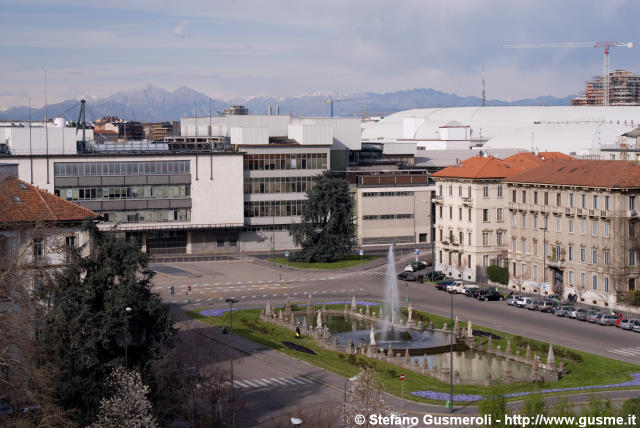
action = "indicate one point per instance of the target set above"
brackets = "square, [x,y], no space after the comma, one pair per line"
[365,397]
[84,325]
[129,405]
[326,232]
[494,404]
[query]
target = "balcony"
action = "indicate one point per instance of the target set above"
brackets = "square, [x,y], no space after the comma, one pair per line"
[594,213]
[633,213]
[581,212]
[512,206]
[567,211]
[557,210]
[533,208]
[605,213]
[551,261]
[437,199]
[467,201]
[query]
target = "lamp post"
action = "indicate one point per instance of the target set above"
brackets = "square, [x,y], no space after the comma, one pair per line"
[126,337]
[544,254]
[451,359]
[231,301]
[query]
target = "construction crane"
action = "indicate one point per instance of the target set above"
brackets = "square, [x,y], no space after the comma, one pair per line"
[332,100]
[605,45]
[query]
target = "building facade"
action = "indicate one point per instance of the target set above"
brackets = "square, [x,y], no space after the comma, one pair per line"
[573,228]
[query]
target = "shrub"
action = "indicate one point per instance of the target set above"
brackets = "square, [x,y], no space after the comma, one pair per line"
[498,274]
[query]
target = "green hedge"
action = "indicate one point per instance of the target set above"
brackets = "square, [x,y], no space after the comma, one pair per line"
[498,274]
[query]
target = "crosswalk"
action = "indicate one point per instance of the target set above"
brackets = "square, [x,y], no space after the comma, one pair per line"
[627,352]
[271,382]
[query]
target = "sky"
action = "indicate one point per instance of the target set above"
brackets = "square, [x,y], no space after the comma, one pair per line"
[239,48]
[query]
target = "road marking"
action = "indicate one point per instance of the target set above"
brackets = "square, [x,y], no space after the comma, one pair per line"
[261,382]
[238,383]
[278,381]
[627,352]
[288,381]
[251,383]
[243,297]
[253,297]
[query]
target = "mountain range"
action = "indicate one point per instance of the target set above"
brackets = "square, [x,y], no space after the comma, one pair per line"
[152,104]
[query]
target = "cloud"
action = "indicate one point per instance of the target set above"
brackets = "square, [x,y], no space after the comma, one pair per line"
[179,30]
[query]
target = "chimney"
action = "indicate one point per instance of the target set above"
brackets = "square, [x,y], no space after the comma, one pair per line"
[269,110]
[277,110]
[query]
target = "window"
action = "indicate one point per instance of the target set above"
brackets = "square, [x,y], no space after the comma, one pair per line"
[546,198]
[570,225]
[513,196]
[535,197]
[469,238]
[469,260]
[515,245]
[469,191]
[632,258]
[524,270]
[524,246]
[606,229]
[440,211]
[450,189]
[558,253]
[460,213]
[220,243]
[583,201]
[632,203]
[632,230]
[594,282]
[422,237]
[70,241]
[558,221]
[606,257]
[450,213]
[499,190]
[485,260]
[459,190]
[583,227]
[514,220]
[546,250]
[583,281]
[594,257]
[440,235]
[461,238]
[485,191]
[606,202]
[469,214]
[485,239]
[535,248]
[632,284]
[38,248]
[594,228]
[595,202]
[524,221]
[535,221]
[513,268]
[546,223]
[499,238]
[571,200]
[583,254]
[499,214]
[440,256]
[524,196]
[570,253]
[440,190]
[558,199]
[606,284]
[571,278]
[535,272]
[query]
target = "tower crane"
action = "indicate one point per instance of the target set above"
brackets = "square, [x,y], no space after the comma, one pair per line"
[332,100]
[605,45]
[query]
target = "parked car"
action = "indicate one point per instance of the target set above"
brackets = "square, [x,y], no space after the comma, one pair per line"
[562,311]
[435,276]
[469,289]
[457,287]
[415,267]
[490,294]
[523,301]
[627,324]
[576,311]
[596,318]
[636,326]
[442,285]
[533,306]
[583,315]
[407,276]
[548,306]
[607,319]
[619,320]
[512,298]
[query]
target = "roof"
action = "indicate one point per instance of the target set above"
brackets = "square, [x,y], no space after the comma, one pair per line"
[479,167]
[579,172]
[529,160]
[23,203]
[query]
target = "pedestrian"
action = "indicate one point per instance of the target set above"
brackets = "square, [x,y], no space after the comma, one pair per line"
[298,331]
[173,290]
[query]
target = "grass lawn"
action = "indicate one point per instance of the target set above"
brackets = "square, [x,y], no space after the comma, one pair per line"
[348,261]
[590,370]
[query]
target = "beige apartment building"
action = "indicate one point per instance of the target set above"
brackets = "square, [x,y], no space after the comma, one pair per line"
[471,214]
[392,208]
[573,228]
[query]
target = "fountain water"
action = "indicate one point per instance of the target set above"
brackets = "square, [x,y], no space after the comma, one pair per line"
[391,299]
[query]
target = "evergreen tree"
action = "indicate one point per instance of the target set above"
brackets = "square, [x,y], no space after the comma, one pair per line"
[83,331]
[326,232]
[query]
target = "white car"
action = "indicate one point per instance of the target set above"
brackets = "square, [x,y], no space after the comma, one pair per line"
[457,287]
[523,301]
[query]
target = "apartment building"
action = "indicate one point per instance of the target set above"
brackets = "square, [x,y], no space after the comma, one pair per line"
[471,217]
[573,228]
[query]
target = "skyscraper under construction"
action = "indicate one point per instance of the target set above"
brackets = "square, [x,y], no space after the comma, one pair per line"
[624,89]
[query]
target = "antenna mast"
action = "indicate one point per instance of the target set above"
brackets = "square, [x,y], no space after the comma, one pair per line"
[484,98]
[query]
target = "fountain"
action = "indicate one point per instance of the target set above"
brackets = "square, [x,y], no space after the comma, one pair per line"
[391,299]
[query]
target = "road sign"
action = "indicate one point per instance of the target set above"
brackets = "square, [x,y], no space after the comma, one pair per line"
[417,251]
[361,252]
[286,253]
[544,287]
[402,376]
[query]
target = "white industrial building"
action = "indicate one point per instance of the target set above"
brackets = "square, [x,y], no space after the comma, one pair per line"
[573,130]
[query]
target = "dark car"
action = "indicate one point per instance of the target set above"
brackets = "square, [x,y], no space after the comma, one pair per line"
[434,276]
[442,285]
[490,294]
[407,276]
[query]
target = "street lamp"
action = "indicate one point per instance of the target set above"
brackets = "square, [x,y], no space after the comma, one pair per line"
[231,301]
[451,359]
[126,336]
[544,254]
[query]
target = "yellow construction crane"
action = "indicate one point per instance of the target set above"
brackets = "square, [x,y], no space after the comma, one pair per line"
[605,45]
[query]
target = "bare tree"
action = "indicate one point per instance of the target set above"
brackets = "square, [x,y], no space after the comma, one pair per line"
[365,397]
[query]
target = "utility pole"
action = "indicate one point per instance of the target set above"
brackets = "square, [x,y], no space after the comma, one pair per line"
[233,404]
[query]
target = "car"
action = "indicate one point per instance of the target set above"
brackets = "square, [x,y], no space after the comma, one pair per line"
[457,287]
[533,306]
[562,311]
[584,315]
[636,326]
[596,318]
[415,267]
[548,306]
[435,276]
[576,312]
[512,298]
[407,276]
[627,324]
[607,319]
[619,320]
[469,288]
[442,285]
[523,301]
[5,408]
[490,294]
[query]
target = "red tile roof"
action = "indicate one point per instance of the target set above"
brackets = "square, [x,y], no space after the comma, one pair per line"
[529,160]
[23,203]
[578,172]
[479,167]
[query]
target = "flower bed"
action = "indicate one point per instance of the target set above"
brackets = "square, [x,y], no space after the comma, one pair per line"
[442,396]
